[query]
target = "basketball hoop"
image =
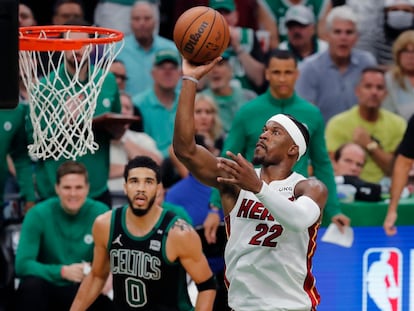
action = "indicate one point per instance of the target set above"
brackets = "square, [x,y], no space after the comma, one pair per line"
[62,103]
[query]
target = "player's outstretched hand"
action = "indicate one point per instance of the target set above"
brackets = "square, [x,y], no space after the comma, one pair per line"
[389,224]
[241,172]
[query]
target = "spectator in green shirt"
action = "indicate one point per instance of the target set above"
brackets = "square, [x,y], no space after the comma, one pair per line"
[56,245]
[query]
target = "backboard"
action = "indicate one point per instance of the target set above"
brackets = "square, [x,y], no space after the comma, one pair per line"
[9,64]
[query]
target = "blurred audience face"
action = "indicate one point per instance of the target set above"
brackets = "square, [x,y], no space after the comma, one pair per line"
[220,76]
[351,161]
[204,116]
[406,59]
[399,16]
[299,35]
[231,17]
[127,107]
[143,21]
[72,191]
[342,37]
[26,17]
[66,12]
[166,75]
[119,71]
[282,75]
[371,90]
[73,58]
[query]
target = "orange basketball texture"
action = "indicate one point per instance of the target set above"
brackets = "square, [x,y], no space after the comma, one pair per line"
[201,34]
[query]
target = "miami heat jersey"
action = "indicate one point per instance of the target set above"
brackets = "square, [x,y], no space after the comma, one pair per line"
[268,267]
[143,277]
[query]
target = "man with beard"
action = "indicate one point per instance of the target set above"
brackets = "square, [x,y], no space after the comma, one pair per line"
[301,34]
[272,213]
[148,250]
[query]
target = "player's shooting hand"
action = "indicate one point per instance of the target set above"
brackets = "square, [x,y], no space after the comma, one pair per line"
[73,272]
[241,172]
[198,71]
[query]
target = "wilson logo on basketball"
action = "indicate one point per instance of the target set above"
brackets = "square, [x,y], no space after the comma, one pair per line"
[194,38]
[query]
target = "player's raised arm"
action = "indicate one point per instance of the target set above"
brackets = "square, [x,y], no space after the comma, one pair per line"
[199,161]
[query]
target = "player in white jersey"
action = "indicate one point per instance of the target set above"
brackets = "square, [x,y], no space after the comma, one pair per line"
[272,213]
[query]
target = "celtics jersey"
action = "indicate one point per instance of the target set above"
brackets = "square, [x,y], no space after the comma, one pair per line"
[143,277]
[280,7]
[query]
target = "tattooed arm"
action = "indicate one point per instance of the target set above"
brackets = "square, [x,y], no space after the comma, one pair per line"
[183,243]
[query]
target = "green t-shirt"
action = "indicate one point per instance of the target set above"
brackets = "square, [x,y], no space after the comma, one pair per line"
[14,142]
[51,238]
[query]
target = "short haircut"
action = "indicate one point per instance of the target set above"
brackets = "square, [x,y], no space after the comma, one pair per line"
[119,61]
[143,161]
[59,3]
[71,167]
[372,69]
[338,152]
[155,9]
[343,13]
[78,21]
[280,54]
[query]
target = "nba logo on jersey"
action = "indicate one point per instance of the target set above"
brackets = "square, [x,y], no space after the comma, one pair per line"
[382,279]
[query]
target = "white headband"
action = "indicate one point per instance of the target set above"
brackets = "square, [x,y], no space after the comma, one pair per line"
[293,130]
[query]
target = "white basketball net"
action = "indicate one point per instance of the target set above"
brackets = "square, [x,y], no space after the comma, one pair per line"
[61,110]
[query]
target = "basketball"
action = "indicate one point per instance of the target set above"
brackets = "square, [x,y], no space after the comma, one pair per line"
[201,34]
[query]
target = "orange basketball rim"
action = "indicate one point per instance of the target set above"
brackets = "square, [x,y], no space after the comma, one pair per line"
[50,38]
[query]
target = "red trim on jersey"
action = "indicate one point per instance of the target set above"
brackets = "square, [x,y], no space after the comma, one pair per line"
[309,284]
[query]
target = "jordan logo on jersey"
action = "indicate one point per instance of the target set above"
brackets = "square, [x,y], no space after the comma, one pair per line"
[118,240]
[155,245]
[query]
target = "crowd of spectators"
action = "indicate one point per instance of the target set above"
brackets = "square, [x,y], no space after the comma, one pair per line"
[345,73]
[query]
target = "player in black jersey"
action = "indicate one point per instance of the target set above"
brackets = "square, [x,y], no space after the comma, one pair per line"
[148,250]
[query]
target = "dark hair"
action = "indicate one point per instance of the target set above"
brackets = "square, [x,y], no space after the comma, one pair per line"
[143,161]
[77,21]
[71,167]
[280,54]
[338,152]
[117,60]
[303,129]
[59,3]
[374,69]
